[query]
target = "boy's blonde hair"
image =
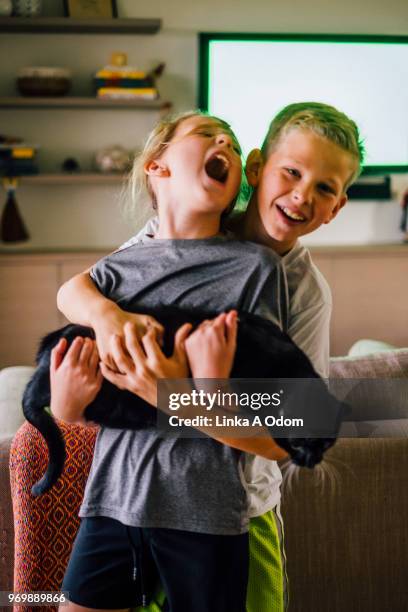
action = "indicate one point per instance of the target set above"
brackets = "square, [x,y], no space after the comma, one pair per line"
[138,186]
[322,119]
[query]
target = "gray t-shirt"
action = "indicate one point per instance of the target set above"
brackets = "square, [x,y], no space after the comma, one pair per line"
[310,306]
[144,480]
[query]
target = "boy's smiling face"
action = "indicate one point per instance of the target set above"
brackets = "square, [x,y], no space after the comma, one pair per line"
[300,187]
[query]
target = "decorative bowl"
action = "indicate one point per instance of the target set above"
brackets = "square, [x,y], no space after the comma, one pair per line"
[113,159]
[43,81]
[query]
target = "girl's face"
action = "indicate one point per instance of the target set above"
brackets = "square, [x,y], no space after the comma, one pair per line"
[200,168]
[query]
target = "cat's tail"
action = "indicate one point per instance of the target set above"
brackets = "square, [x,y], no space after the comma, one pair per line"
[36,414]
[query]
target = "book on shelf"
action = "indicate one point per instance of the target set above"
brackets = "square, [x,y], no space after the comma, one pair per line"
[17,167]
[18,150]
[127,83]
[17,158]
[119,72]
[118,81]
[125,93]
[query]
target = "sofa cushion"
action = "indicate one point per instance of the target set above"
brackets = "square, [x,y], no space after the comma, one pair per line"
[375,385]
[391,363]
[12,384]
[346,539]
[389,428]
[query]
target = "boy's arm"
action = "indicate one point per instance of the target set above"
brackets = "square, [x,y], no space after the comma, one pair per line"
[211,354]
[310,331]
[75,379]
[263,445]
[211,350]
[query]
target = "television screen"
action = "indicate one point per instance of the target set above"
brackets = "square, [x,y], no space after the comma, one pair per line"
[247,78]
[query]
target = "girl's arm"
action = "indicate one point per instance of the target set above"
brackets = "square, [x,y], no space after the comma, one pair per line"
[211,350]
[75,378]
[81,302]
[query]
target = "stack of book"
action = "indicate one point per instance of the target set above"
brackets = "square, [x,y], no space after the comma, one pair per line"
[119,81]
[17,159]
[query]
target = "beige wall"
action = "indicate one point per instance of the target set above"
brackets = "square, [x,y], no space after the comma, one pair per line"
[75,217]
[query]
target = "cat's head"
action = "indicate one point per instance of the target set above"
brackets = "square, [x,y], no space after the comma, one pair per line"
[306,452]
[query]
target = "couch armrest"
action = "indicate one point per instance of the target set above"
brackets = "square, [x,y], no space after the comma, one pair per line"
[6,519]
[347,541]
[45,526]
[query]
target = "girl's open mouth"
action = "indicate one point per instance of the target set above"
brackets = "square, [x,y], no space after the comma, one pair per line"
[290,215]
[217,168]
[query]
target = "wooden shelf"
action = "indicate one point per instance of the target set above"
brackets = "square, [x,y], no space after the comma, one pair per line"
[82,178]
[68,25]
[20,102]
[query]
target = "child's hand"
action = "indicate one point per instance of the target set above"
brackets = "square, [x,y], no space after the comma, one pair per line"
[143,362]
[111,322]
[211,347]
[75,378]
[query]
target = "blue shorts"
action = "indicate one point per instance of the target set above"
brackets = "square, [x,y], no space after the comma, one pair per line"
[117,566]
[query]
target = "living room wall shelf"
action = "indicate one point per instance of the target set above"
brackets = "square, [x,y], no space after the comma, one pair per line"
[84,178]
[68,25]
[82,103]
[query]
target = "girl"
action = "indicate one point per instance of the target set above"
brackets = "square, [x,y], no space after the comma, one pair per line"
[179,503]
[310,155]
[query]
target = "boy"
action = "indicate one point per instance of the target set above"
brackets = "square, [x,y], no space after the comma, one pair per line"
[310,156]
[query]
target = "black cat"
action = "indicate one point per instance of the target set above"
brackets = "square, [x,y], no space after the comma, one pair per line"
[263,351]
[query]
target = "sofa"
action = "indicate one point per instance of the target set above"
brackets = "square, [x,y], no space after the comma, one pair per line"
[346,528]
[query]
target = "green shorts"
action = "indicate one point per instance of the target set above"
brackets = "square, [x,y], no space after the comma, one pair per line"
[268,583]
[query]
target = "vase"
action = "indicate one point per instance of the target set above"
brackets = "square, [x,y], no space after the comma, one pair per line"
[27,8]
[6,7]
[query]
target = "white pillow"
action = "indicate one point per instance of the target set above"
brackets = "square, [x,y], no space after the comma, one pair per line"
[368,347]
[12,384]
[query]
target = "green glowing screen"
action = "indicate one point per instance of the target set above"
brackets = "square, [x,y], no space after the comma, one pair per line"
[246,79]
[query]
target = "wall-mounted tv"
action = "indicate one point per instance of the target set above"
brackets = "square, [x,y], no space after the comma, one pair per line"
[247,78]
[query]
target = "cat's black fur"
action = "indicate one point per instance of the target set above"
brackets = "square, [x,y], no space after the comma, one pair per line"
[263,351]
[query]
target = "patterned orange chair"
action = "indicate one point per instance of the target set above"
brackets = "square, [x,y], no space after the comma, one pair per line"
[45,527]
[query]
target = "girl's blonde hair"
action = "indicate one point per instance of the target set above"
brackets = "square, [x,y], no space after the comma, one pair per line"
[138,187]
[322,119]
